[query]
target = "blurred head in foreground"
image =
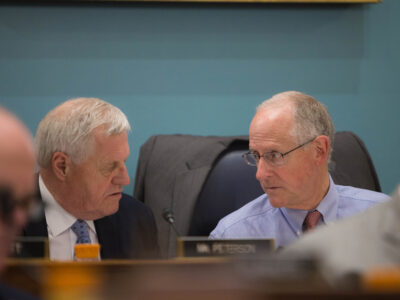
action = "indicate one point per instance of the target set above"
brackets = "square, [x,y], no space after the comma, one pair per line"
[17,180]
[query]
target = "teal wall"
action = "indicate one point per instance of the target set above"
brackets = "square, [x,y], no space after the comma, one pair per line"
[202,69]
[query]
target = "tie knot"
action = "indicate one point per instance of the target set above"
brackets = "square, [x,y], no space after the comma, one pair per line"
[80,228]
[311,220]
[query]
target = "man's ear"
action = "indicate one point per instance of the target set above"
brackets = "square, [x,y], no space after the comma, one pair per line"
[322,145]
[60,163]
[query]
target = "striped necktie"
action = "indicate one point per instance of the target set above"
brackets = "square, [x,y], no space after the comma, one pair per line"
[311,220]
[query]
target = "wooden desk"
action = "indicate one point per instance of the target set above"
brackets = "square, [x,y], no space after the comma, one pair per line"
[183,278]
[46,279]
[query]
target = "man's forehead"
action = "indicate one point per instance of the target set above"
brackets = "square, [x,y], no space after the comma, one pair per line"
[271,130]
[111,141]
[18,175]
[14,137]
[274,123]
[280,143]
[276,112]
[111,148]
[17,159]
[17,150]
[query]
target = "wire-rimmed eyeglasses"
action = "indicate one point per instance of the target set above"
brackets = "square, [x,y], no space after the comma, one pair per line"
[275,158]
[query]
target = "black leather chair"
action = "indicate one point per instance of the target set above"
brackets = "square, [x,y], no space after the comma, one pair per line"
[351,163]
[231,183]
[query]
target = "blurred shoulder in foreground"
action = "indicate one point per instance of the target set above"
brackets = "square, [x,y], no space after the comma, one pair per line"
[355,245]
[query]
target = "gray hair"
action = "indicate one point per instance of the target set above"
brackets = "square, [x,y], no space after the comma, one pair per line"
[311,118]
[68,128]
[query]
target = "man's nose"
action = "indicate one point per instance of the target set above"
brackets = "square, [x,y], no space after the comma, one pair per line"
[122,178]
[264,169]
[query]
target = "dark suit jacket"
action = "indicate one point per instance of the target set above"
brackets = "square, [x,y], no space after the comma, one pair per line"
[170,174]
[9,293]
[129,233]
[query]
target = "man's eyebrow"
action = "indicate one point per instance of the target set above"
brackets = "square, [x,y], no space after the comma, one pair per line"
[268,151]
[109,165]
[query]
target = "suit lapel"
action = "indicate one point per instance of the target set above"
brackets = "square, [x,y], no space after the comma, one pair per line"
[108,237]
[37,227]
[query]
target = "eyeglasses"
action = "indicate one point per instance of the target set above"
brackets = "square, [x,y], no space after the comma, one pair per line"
[275,158]
[8,203]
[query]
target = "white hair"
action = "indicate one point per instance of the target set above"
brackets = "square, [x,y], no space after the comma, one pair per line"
[68,128]
[311,118]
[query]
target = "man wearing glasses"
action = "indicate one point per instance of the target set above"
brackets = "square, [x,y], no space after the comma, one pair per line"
[17,188]
[290,141]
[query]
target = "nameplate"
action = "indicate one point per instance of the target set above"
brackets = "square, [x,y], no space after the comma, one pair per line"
[202,247]
[30,247]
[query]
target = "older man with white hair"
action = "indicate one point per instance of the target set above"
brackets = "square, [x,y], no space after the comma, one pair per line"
[82,148]
[290,141]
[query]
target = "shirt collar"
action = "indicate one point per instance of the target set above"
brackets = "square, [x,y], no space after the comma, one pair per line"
[327,207]
[57,218]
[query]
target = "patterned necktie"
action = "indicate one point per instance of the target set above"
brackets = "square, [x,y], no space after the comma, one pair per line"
[311,220]
[80,228]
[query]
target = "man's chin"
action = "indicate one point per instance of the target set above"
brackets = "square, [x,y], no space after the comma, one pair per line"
[112,204]
[276,201]
[113,209]
[276,204]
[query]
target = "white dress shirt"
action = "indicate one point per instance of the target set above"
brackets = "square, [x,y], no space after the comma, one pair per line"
[61,237]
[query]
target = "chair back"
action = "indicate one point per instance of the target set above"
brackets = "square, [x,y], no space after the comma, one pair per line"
[351,163]
[230,184]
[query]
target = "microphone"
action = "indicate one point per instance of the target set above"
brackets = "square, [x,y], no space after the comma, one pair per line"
[168,216]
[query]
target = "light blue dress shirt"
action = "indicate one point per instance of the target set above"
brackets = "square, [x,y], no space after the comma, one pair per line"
[258,219]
